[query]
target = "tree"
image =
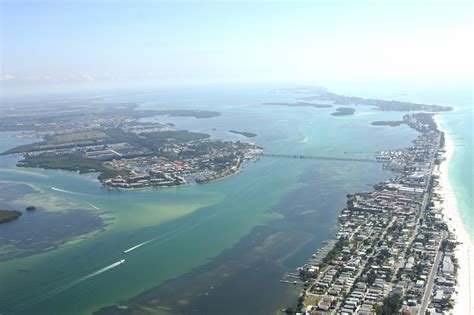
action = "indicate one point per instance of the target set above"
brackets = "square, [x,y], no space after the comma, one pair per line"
[371,277]
[391,305]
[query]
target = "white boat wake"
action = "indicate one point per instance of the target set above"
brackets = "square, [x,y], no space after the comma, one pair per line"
[139,245]
[71,284]
[62,190]
[93,206]
[95,273]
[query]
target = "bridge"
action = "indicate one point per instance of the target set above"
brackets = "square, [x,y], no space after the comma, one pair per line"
[321,157]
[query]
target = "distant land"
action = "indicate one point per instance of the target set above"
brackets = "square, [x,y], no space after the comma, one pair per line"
[299,104]
[40,116]
[322,94]
[244,133]
[9,215]
[391,123]
[344,111]
[188,113]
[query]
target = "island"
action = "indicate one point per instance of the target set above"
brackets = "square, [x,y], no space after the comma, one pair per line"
[344,111]
[244,133]
[30,208]
[111,140]
[9,215]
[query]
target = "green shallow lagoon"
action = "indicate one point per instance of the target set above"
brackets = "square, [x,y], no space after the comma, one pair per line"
[201,227]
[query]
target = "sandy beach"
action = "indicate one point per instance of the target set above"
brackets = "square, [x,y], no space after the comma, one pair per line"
[464,302]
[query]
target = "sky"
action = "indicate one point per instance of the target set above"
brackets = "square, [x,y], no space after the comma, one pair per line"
[83,43]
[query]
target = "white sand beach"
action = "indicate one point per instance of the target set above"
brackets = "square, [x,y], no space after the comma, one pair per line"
[464,301]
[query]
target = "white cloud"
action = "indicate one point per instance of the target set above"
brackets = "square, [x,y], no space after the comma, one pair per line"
[87,77]
[7,77]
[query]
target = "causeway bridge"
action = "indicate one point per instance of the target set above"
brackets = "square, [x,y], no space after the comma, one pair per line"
[321,157]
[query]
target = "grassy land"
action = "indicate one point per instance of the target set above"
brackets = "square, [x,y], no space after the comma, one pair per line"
[154,140]
[79,136]
[311,299]
[69,140]
[8,215]
[73,162]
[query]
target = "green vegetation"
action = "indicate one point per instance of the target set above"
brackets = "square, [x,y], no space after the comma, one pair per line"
[344,111]
[24,148]
[393,123]
[65,141]
[300,104]
[178,135]
[72,162]
[188,113]
[9,215]
[371,277]
[336,250]
[154,140]
[244,133]
[79,136]
[390,306]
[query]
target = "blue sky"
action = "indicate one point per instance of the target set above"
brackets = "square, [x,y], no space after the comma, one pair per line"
[59,43]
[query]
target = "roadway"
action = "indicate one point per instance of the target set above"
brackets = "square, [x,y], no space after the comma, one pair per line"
[429,285]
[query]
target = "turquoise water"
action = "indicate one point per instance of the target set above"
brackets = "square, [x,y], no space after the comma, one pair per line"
[194,227]
[458,125]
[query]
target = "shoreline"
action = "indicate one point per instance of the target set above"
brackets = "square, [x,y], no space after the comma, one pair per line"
[464,303]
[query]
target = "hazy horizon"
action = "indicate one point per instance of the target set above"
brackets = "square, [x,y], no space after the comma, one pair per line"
[53,46]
